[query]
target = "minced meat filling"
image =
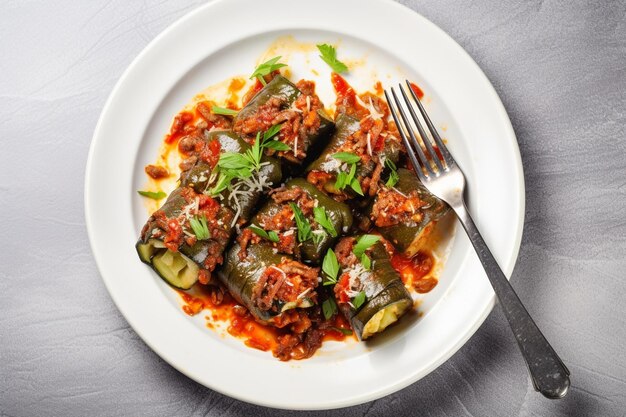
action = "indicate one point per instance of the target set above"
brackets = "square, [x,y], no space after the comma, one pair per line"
[280,221]
[392,207]
[299,122]
[289,281]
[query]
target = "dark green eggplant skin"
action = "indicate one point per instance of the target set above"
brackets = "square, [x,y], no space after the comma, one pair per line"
[405,236]
[280,87]
[345,126]
[198,175]
[240,277]
[395,293]
[172,208]
[383,288]
[283,89]
[339,213]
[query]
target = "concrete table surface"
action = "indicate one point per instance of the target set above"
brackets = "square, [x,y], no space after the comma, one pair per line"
[560,69]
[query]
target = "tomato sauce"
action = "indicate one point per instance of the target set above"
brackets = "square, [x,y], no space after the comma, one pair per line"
[242,325]
[418,91]
[415,270]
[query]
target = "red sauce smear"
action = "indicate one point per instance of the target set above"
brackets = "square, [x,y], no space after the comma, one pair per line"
[241,323]
[418,91]
[415,270]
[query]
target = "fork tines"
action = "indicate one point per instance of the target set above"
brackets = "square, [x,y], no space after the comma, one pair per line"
[434,161]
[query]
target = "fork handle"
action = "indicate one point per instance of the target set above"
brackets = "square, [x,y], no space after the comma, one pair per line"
[549,374]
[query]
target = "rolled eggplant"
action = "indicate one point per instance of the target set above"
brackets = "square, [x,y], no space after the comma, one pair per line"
[242,196]
[268,283]
[297,108]
[352,136]
[406,213]
[371,299]
[169,244]
[322,220]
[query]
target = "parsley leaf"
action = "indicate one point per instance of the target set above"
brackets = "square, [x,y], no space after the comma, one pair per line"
[276,145]
[223,111]
[152,194]
[366,262]
[271,132]
[347,157]
[356,186]
[304,227]
[393,174]
[223,181]
[358,300]
[200,227]
[271,235]
[329,55]
[323,220]
[330,266]
[347,332]
[266,68]
[342,180]
[363,243]
[329,308]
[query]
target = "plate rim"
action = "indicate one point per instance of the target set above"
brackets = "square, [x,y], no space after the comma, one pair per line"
[355,399]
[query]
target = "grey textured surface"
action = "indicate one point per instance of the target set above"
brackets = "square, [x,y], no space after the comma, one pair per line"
[560,69]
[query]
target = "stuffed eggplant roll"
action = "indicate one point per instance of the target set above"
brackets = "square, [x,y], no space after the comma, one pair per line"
[406,213]
[184,240]
[298,220]
[199,171]
[354,160]
[298,111]
[369,291]
[268,283]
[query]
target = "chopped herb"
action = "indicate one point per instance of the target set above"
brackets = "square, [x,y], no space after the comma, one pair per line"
[366,262]
[356,186]
[318,236]
[342,180]
[329,308]
[358,300]
[271,235]
[323,220]
[347,157]
[304,227]
[330,267]
[153,195]
[266,68]
[363,243]
[329,55]
[276,145]
[393,173]
[271,132]
[346,332]
[223,111]
[223,181]
[200,227]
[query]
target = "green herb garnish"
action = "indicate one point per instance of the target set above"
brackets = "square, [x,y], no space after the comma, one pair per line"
[266,68]
[321,217]
[200,227]
[271,235]
[393,173]
[347,332]
[362,244]
[358,300]
[152,194]
[347,157]
[277,145]
[330,267]
[329,55]
[366,262]
[304,227]
[329,308]
[223,111]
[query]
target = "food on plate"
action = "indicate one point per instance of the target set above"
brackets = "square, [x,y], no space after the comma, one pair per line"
[369,291]
[361,149]
[184,240]
[296,227]
[298,220]
[295,107]
[406,213]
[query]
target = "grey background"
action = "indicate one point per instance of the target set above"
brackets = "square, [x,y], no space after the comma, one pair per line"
[560,69]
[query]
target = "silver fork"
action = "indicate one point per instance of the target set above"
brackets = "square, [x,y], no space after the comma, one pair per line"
[443,178]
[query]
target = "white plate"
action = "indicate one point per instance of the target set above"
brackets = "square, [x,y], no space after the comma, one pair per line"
[225,38]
